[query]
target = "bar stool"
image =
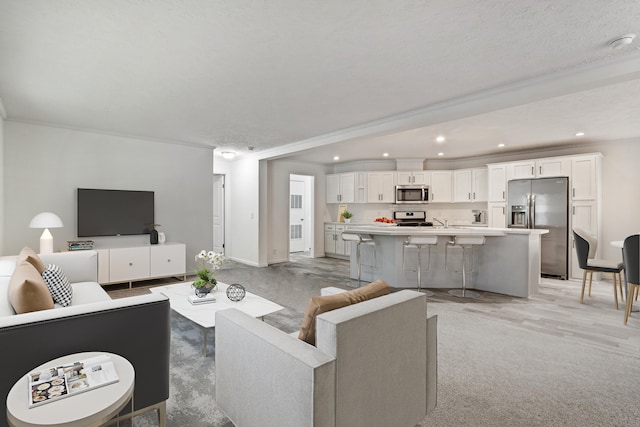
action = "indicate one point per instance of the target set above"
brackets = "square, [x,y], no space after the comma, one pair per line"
[419,242]
[465,243]
[360,239]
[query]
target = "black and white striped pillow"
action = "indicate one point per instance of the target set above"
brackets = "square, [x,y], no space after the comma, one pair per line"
[58,285]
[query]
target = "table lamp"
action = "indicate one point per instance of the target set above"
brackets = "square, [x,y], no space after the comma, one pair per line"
[46,220]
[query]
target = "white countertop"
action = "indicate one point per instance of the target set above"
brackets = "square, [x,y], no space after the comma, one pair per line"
[393,230]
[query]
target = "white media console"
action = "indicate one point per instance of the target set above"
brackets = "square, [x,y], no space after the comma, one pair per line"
[141,262]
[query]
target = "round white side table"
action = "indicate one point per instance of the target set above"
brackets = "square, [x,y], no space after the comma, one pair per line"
[90,408]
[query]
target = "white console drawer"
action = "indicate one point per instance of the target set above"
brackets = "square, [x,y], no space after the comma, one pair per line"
[126,264]
[168,259]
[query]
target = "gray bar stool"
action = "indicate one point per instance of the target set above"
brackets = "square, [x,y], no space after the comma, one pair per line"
[419,242]
[466,243]
[360,239]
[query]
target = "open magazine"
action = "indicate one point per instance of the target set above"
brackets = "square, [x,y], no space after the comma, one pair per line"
[59,382]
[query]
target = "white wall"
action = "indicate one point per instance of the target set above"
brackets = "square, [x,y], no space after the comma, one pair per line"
[43,167]
[242,216]
[277,232]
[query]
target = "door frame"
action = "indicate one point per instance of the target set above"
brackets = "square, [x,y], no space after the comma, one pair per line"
[309,219]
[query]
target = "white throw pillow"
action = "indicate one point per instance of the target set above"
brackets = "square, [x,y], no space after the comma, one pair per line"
[58,285]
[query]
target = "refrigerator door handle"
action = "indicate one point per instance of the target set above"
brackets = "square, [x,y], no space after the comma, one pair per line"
[528,215]
[532,212]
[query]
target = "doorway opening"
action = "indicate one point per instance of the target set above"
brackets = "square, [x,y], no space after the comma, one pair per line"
[301,220]
[218,213]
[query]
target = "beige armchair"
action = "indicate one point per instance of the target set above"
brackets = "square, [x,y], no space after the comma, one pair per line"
[374,364]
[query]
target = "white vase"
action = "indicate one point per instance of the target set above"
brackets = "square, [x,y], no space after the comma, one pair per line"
[161,237]
[347,220]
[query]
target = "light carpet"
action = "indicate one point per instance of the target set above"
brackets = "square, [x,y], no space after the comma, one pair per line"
[490,374]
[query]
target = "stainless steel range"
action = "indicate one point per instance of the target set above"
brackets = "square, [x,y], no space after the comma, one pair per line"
[412,219]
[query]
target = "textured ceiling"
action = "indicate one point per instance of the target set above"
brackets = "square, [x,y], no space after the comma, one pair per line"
[239,73]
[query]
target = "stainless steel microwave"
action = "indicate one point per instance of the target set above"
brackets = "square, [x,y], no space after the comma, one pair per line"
[412,194]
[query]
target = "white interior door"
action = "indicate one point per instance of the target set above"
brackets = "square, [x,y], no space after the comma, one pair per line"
[218,213]
[297,214]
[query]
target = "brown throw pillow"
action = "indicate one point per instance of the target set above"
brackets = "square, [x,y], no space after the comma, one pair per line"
[321,304]
[30,255]
[27,290]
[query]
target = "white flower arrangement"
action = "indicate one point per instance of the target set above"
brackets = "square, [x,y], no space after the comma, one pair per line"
[208,263]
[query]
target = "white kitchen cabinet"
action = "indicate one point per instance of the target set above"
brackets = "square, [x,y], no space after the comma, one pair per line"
[584,174]
[497,183]
[340,188]
[462,185]
[361,187]
[167,260]
[521,170]
[555,166]
[381,187]
[480,184]
[413,178]
[440,190]
[128,264]
[334,245]
[539,168]
[497,215]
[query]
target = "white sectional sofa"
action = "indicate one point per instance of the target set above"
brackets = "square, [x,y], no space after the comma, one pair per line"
[137,328]
[374,364]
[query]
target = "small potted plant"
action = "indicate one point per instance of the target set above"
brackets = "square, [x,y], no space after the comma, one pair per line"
[347,216]
[206,281]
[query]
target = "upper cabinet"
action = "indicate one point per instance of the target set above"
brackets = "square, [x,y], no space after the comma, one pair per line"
[381,187]
[556,166]
[440,190]
[341,188]
[361,187]
[497,183]
[470,185]
[413,177]
[584,170]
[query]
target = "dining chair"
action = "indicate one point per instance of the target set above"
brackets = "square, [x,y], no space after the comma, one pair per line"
[586,250]
[631,260]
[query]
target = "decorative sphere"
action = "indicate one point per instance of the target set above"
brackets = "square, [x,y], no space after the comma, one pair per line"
[236,292]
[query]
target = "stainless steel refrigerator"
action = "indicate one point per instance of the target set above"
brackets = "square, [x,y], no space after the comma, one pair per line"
[543,203]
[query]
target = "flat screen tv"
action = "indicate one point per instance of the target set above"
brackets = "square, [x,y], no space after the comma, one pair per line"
[114,212]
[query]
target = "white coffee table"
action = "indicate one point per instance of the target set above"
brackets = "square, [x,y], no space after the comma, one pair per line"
[91,408]
[205,314]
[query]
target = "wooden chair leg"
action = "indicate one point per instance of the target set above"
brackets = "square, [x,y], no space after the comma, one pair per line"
[590,281]
[627,311]
[584,280]
[615,291]
[620,286]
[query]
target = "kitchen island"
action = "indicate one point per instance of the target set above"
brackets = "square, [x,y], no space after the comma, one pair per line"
[508,263]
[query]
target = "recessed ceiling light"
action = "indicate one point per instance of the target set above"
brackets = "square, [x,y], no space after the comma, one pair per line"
[336,157]
[440,138]
[500,145]
[580,134]
[440,154]
[228,155]
[622,41]
[385,154]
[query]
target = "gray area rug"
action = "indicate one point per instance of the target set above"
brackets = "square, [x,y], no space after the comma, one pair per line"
[192,376]
[490,374]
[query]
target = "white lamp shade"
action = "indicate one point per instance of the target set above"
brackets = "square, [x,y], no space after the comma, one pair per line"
[46,220]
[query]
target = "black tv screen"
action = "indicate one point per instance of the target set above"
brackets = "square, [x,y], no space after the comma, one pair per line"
[114,212]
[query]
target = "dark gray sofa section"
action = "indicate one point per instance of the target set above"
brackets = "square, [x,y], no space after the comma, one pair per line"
[137,328]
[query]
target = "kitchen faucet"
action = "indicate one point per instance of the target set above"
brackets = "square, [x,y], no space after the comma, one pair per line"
[445,224]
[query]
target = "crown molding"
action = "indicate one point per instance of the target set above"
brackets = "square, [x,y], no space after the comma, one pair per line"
[614,70]
[115,134]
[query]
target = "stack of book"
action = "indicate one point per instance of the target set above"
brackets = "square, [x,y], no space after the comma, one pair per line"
[79,245]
